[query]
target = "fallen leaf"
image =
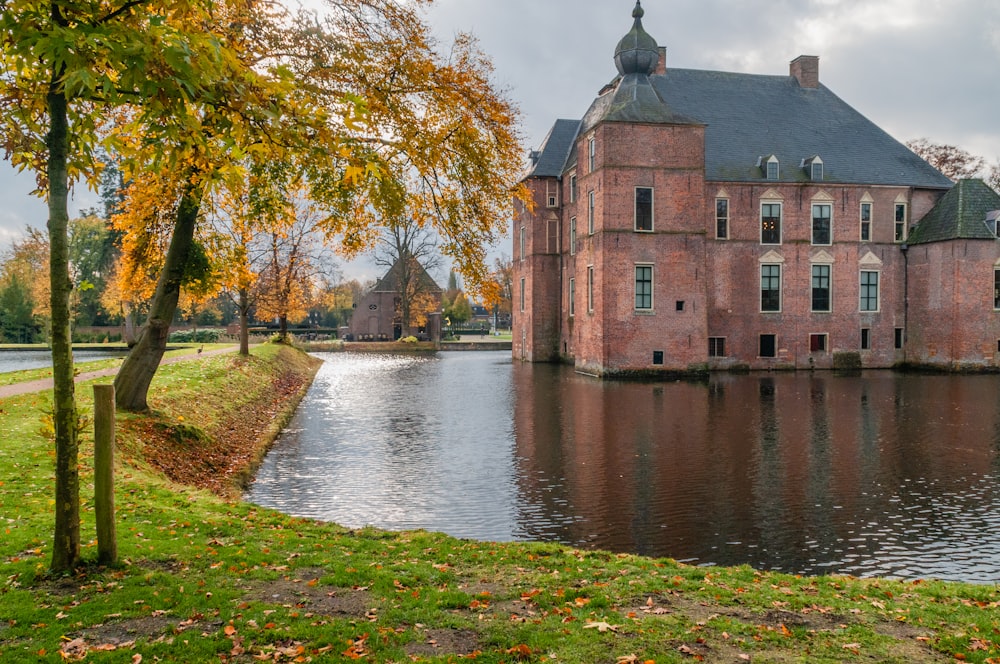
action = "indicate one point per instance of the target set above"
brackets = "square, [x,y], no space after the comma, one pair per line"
[601,626]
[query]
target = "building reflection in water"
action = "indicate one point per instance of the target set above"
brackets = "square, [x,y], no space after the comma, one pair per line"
[876,474]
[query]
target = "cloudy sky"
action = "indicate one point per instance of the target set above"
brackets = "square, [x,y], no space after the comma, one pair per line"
[918,69]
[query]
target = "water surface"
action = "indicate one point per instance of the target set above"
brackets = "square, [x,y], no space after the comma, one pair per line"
[21,360]
[877,474]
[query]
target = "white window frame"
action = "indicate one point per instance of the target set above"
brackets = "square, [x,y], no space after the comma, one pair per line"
[899,226]
[826,342]
[718,341]
[812,225]
[635,210]
[718,218]
[590,289]
[781,221]
[635,290]
[591,153]
[772,161]
[760,301]
[522,294]
[829,287]
[572,236]
[591,211]
[572,188]
[521,242]
[572,296]
[865,223]
[861,293]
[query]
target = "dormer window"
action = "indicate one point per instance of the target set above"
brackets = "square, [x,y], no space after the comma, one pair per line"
[769,165]
[814,168]
[991,220]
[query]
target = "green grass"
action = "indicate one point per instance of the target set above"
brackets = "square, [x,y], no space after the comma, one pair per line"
[203,579]
[27,375]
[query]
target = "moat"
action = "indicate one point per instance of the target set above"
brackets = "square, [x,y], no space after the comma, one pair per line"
[875,474]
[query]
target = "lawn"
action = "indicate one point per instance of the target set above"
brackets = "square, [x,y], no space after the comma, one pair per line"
[205,577]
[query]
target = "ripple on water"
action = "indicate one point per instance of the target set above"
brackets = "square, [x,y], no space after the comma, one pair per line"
[803,473]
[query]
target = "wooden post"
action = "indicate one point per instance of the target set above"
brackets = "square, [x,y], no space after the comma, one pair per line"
[104,473]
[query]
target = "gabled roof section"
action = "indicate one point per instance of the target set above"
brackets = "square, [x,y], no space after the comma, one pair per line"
[550,159]
[748,115]
[389,283]
[960,214]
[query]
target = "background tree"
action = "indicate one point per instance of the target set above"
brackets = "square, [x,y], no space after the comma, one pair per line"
[503,277]
[954,162]
[285,288]
[409,253]
[458,310]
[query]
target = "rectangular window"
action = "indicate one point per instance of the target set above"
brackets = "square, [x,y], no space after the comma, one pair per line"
[821,288]
[996,289]
[821,230]
[721,218]
[521,242]
[643,208]
[590,288]
[644,287]
[816,171]
[770,288]
[590,212]
[572,296]
[768,345]
[900,222]
[770,223]
[866,222]
[866,339]
[869,290]
[572,235]
[772,169]
[522,293]
[591,153]
[817,343]
[899,338]
[572,188]
[716,346]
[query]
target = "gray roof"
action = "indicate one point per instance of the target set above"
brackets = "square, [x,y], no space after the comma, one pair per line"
[960,214]
[749,116]
[551,158]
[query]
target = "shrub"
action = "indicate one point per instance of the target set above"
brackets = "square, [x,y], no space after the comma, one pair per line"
[409,340]
[207,336]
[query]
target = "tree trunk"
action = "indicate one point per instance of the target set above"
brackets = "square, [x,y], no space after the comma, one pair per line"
[283,328]
[244,307]
[139,367]
[66,543]
[129,314]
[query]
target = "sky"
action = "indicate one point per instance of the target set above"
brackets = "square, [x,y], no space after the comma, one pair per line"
[918,69]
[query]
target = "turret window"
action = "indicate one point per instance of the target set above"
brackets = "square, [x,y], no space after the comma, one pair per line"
[644,208]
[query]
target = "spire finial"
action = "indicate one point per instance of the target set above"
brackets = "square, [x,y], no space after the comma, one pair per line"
[637,52]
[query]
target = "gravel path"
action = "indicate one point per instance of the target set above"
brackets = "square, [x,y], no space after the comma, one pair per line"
[46,383]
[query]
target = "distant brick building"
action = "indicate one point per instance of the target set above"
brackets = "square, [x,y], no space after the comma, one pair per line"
[378,316]
[697,220]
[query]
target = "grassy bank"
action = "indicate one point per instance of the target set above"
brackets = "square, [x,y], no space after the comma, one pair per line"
[205,578]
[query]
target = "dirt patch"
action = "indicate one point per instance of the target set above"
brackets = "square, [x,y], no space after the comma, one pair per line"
[441,642]
[221,459]
[315,598]
[130,630]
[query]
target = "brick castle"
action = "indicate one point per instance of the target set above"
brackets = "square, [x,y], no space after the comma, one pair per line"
[701,220]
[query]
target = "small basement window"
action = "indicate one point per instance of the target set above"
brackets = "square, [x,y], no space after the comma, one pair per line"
[657,357]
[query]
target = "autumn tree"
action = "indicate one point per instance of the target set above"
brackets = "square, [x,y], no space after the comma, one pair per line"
[67,68]
[503,277]
[24,297]
[296,259]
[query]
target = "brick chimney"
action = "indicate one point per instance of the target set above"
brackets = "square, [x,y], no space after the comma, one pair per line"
[805,69]
[661,64]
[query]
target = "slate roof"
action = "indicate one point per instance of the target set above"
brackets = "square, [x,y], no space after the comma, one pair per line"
[749,116]
[389,283]
[551,158]
[960,214]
